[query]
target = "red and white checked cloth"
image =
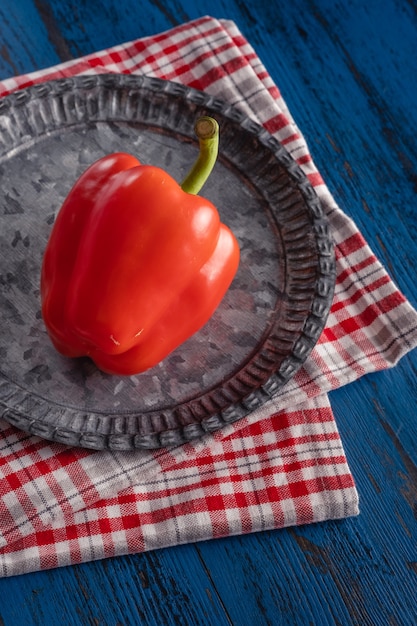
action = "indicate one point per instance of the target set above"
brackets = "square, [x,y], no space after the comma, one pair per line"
[60,506]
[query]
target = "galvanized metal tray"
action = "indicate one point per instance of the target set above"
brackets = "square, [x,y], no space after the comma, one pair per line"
[266,326]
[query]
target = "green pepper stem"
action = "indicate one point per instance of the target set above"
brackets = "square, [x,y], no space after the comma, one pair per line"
[207,130]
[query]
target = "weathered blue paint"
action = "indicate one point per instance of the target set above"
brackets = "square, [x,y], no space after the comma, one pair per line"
[349,75]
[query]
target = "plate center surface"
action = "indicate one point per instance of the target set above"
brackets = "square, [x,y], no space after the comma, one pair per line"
[36,178]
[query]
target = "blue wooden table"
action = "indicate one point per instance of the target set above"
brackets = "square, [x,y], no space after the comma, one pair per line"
[348,72]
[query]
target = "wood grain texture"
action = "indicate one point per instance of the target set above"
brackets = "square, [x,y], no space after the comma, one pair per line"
[348,74]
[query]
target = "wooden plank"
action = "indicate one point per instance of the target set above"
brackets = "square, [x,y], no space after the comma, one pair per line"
[167,587]
[348,74]
[24,43]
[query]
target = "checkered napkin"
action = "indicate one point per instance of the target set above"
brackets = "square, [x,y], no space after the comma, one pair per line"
[282,465]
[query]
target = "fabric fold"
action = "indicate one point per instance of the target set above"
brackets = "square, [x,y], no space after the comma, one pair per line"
[288,470]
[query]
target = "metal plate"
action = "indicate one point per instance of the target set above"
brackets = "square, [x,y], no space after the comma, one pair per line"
[266,326]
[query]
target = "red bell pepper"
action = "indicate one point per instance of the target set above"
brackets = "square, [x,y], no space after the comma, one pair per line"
[135,263]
